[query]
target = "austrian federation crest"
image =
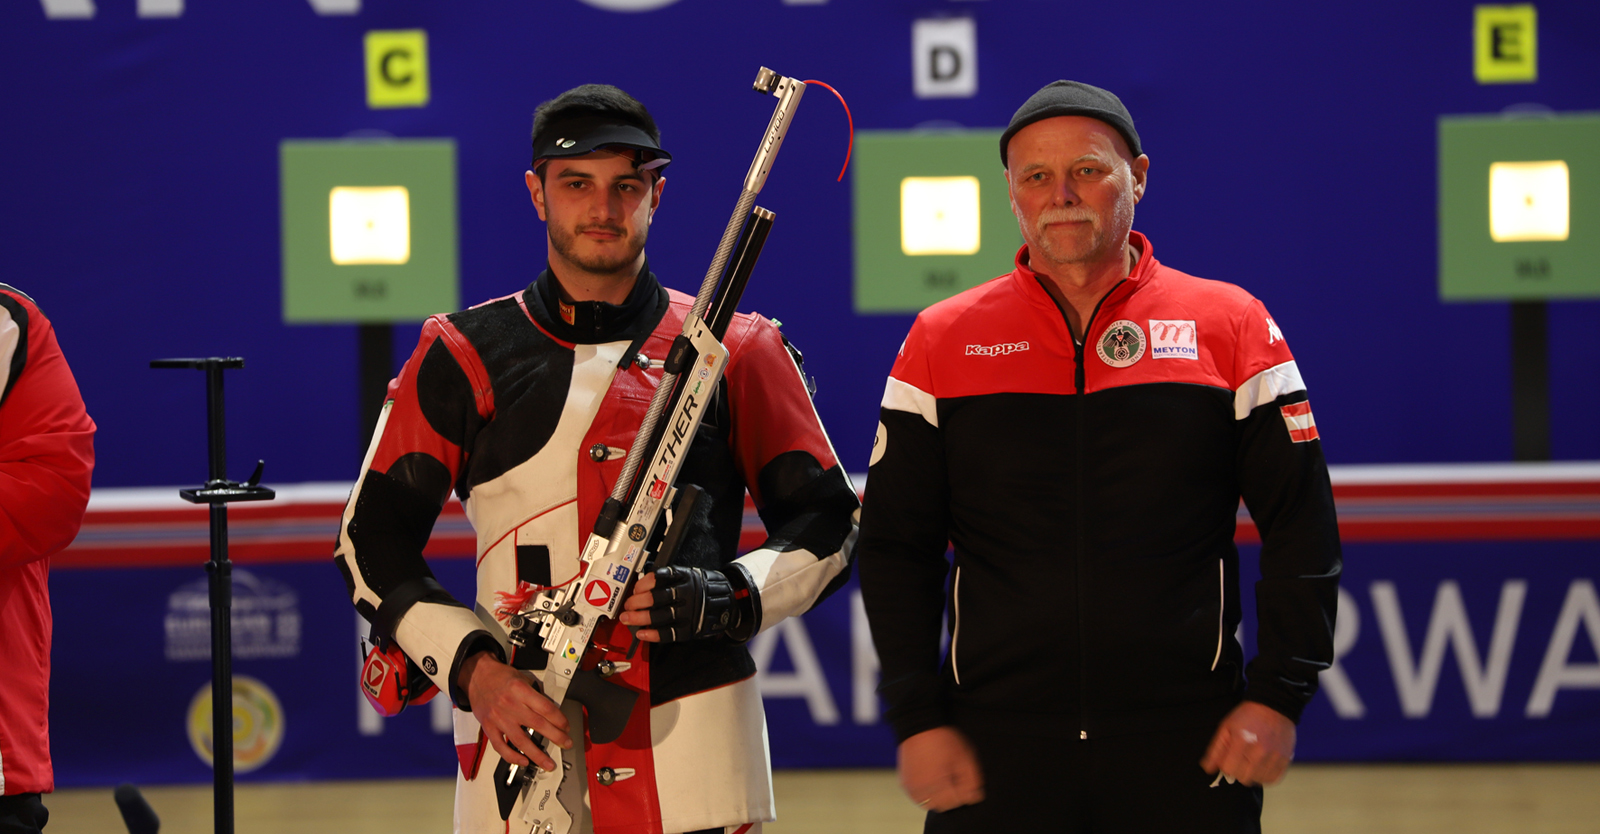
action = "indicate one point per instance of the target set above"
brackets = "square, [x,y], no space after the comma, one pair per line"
[1121,345]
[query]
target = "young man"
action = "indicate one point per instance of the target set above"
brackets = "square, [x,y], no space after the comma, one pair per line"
[1081,430]
[526,406]
[46,459]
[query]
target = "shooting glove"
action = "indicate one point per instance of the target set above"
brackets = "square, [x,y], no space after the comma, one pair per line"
[691,603]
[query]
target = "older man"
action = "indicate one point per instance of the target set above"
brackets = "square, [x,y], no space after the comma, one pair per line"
[526,406]
[1081,431]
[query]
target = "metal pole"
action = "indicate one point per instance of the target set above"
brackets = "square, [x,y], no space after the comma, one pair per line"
[218,492]
[1530,381]
[221,573]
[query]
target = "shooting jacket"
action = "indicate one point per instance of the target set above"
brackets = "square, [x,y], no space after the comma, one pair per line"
[519,405]
[1090,494]
[46,458]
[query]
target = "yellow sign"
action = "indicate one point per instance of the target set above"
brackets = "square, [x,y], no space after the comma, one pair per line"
[1505,44]
[397,68]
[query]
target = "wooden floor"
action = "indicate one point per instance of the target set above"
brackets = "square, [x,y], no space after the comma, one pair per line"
[1315,799]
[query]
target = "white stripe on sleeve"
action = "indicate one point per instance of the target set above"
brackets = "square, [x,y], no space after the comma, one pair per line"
[903,396]
[1265,387]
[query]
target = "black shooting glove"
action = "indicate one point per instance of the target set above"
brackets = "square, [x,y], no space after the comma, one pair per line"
[691,603]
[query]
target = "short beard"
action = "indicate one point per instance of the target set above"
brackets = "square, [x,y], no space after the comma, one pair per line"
[564,241]
[1105,238]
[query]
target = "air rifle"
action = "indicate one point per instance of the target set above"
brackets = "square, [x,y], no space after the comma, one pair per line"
[563,620]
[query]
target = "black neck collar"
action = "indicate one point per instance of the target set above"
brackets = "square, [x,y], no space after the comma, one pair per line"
[595,322]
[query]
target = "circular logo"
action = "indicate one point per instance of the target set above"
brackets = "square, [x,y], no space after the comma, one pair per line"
[430,666]
[566,143]
[1121,345]
[257,724]
[597,593]
[880,442]
[636,532]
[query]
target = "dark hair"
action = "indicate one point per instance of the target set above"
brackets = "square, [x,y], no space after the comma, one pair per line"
[594,100]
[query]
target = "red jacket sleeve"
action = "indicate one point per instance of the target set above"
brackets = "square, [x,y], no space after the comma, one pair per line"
[46,437]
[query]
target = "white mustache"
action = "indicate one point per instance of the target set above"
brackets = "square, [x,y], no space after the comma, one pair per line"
[1064,215]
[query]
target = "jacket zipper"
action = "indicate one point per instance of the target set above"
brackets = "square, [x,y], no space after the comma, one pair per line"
[1080,383]
[955,631]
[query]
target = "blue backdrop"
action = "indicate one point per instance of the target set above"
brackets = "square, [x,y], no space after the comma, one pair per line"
[1293,152]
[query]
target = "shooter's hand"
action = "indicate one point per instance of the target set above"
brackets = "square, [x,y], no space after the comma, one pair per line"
[939,770]
[1253,745]
[679,603]
[505,701]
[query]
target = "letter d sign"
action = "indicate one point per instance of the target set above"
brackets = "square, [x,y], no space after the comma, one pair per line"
[397,68]
[944,57]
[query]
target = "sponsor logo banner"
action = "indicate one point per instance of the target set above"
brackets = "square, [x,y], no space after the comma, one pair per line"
[1173,339]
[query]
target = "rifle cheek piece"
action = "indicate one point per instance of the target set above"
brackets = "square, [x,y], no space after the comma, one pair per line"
[681,356]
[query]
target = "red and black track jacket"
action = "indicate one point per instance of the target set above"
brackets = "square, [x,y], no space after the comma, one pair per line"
[1090,494]
[46,458]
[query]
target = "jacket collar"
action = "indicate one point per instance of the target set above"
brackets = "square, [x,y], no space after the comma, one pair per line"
[1026,280]
[595,322]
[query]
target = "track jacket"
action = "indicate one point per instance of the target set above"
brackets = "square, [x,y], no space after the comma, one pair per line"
[520,406]
[46,457]
[1090,495]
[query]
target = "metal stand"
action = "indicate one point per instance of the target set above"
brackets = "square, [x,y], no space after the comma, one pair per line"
[376,349]
[219,492]
[1530,381]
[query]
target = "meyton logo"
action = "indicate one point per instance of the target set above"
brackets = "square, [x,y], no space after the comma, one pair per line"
[1173,339]
[1002,349]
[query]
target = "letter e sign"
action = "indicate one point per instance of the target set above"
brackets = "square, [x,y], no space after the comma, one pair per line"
[397,68]
[1505,44]
[944,57]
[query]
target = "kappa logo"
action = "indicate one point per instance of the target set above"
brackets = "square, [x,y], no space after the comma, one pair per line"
[1002,349]
[1274,335]
[1173,339]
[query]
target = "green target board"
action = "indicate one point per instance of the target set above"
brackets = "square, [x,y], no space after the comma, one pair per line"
[932,217]
[369,230]
[1519,207]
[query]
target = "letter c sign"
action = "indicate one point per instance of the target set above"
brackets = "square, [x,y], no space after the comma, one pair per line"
[397,68]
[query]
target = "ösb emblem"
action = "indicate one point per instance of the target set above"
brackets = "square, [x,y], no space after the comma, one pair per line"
[1121,345]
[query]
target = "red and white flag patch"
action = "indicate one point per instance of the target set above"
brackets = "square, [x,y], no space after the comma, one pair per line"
[1302,426]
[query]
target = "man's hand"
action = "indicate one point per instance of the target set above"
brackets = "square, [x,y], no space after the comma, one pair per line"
[939,770]
[679,603]
[1253,745]
[504,701]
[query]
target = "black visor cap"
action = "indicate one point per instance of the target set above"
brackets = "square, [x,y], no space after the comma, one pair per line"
[584,135]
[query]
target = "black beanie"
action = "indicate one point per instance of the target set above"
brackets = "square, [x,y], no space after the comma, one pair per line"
[1072,98]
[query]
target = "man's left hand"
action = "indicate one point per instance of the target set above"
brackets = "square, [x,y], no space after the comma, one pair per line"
[677,603]
[1253,745]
